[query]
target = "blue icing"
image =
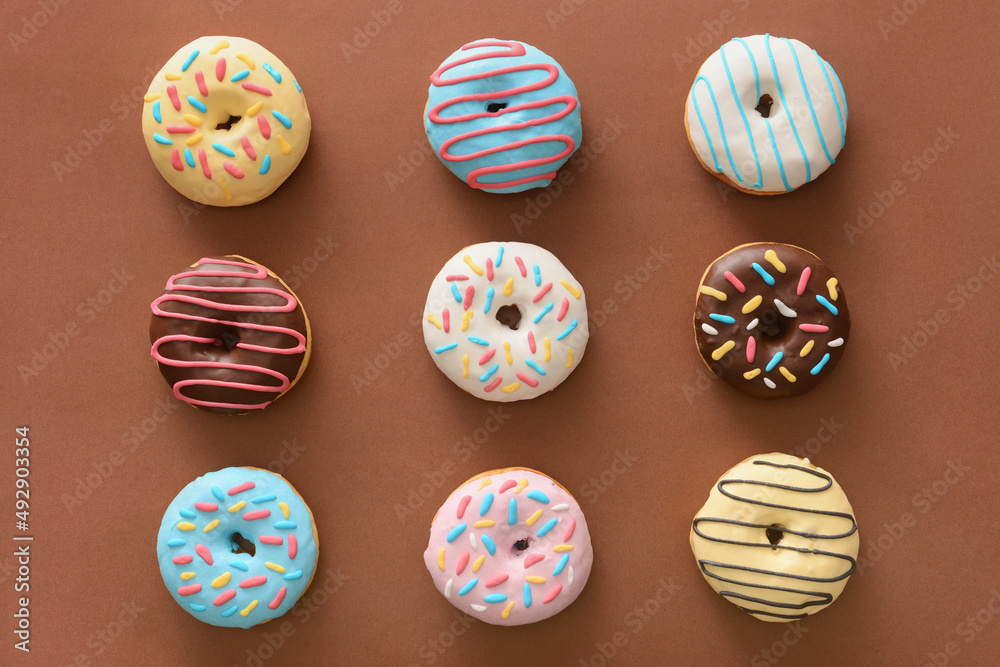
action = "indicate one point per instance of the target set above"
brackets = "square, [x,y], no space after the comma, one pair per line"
[172,542]
[439,133]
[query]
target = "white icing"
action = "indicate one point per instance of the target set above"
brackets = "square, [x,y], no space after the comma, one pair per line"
[821,137]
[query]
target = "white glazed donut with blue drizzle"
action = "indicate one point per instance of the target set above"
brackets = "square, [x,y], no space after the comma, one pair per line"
[205,554]
[766,114]
[502,115]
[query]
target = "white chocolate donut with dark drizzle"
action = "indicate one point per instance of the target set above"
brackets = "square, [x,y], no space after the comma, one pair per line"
[777,537]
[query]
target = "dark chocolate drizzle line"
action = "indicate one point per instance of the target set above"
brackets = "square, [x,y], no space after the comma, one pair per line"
[821,598]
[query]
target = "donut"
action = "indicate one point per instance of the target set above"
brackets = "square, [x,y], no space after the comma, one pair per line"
[510,547]
[771,319]
[506,321]
[225,121]
[777,537]
[766,114]
[502,115]
[229,336]
[237,547]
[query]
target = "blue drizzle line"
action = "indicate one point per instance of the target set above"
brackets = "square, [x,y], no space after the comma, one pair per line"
[455,293]
[275,74]
[188,157]
[722,318]
[763,274]
[197,104]
[536,367]
[788,114]
[489,299]
[479,341]
[561,565]
[282,118]
[489,544]
[445,348]
[225,150]
[535,494]
[483,378]
[826,304]
[239,76]
[546,309]
[774,361]
[836,102]
[297,86]
[842,93]
[156,112]
[567,330]
[818,367]
[812,109]
[732,87]
[265,166]
[718,116]
[189,60]
[487,502]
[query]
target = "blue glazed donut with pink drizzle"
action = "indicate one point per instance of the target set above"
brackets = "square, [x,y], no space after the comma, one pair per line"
[502,116]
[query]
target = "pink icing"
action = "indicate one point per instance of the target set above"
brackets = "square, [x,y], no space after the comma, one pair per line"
[506,50]
[504,572]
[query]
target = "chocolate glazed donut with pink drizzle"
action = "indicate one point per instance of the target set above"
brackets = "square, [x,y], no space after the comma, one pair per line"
[502,116]
[229,336]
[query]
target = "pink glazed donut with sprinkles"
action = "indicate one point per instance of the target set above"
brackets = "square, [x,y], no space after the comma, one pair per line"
[510,547]
[237,547]
[225,121]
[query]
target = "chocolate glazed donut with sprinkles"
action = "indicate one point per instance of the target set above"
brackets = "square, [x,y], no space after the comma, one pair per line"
[771,319]
[225,121]
[237,547]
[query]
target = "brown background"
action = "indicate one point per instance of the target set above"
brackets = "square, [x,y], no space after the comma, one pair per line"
[357,450]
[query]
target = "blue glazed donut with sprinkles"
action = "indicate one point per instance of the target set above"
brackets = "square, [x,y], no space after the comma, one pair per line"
[771,319]
[766,114]
[237,547]
[225,121]
[506,321]
[502,115]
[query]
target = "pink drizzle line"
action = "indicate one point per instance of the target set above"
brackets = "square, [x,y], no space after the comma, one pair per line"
[520,265]
[751,348]
[532,559]
[509,484]
[735,281]
[462,505]
[220,68]
[200,79]
[255,273]
[293,547]
[527,380]
[172,94]
[463,560]
[487,356]
[248,147]
[446,320]
[507,50]
[493,385]
[276,602]
[563,307]
[803,280]
[265,127]
[257,89]
[531,341]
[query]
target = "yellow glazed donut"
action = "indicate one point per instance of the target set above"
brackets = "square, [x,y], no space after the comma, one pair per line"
[225,121]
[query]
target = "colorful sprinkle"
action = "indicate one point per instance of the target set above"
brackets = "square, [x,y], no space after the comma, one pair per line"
[538,275]
[237,507]
[447,588]
[196,103]
[569,357]
[276,602]
[151,97]
[226,613]
[527,595]
[495,597]
[235,171]
[180,129]
[220,68]
[200,80]
[478,341]
[455,532]
[205,554]
[156,112]
[197,607]
[185,525]
[255,109]
[774,361]
[189,590]
[530,521]
[749,375]
[709,291]
[532,559]
[265,165]
[723,350]
[818,367]
[188,513]
[806,349]
[567,330]
[496,581]
[286,525]
[837,342]
[814,328]
[478,563]
[282,118]
[223,44]
[284,508]
[548,349]
[788,375]
[297,86]
[160,139]
[190,59]
[542,292]
[239,565]
[192,119]
[226,151]
[193,139]
[445,348]
[831,286]
[552,594]
[561,565]
[248,148]
[499,256]
[468,587]
[751,348]
[253,87]
[763,274]
[508,287]
[753,323]
[470,293]
[264,126]
[735,281]
[752,304]
[535,580]
[772,257]
[172,76]
[506,610]
[472,265]
[562,547]
[545,310]
[535,494]
[239,76]
[249,608]
[511,388]
[486,376]
[547,527]
[710,330]
[246,60]
[183,560]
[174,99]
[270,539]
[441,559]
[570,527]
[512,512]
[222,580]
[275,74]
[826,304]
[293,575]
[726,319]
[535,367]
[483,523]
[256,514]
[489,300]
[176,542]
[493,385]
[784,310]
[252,582]
[293,547]
[803,280]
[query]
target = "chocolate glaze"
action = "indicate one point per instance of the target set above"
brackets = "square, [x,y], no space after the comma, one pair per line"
[227,337]
[774,331]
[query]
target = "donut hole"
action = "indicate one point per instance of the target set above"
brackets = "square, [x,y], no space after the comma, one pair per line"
[521,545]
[509,316]
[772,324]
[227,125]
[228,339]
[774,533]
[242,545]
[764,105]
[495,107]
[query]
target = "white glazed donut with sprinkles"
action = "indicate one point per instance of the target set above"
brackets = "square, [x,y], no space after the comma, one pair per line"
[237,547]
[225,121]
[506,321]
